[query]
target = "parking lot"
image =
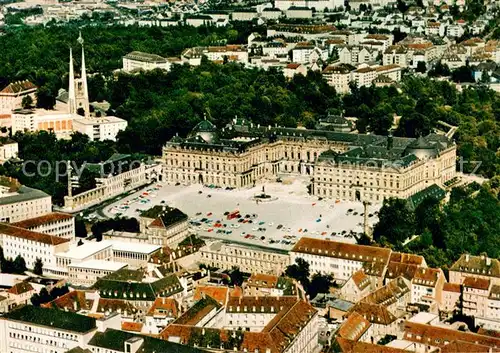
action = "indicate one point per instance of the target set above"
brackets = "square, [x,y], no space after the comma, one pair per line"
[279,223]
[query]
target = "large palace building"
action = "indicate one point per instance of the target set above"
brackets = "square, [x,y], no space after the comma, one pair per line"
[344,166]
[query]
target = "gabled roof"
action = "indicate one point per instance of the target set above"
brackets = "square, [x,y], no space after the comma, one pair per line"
[20,288]
[18,232]
[18,87]
[354,327]
[360,279]
[349,346]
[218,293]
[427,276]
[354,252]
[132,326]
[439,336]
[262,280]
[164,306]
[479,265]
[45,219]
[477,283]
[73,301]
[375,313]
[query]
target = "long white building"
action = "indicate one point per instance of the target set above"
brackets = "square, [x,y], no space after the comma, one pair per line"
[18,202]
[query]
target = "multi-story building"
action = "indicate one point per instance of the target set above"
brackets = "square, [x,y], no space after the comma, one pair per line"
[248,259]
[475,266]
[55,223]
[137,60]
[8,149]
[237,53]
[35,329]
[266,324]
[319,5]
[396,55]
[59,122]
[242,154]
[164,225]
[100,129]
[451,297]
[475,296]
[259,284]
[338,76]
[427,287]
[86,273]
[162,312]
[340,260]
[308,53]
[374,173]
[11,97]
[31,245]
[356,287]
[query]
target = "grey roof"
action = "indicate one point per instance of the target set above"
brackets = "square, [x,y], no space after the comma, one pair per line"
[23,194]
[145,57]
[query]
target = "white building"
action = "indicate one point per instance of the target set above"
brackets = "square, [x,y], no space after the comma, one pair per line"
[137,60]
[11,96]
[18,202]
[339,77]
[59,122]
[8,149]
[35,329]
[248,259]
[340,260]
[55,223]
[100,129]
[86,273]
[319,5]
[31,245]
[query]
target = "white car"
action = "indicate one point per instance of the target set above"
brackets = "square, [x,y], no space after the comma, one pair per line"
[271,224]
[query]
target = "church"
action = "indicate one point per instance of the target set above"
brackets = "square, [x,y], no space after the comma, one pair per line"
[71,113]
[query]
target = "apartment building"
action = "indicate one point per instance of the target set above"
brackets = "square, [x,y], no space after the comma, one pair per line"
[11,97]
[340,260]
[18,202]
[55,223]
[8,149]
[338,76]
[31,245]
[35,329]
[248,259]
[475,266]
[137,60]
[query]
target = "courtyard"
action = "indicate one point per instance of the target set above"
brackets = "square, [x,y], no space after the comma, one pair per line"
[277,222]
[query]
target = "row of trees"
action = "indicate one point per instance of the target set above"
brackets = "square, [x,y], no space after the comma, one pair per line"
[314,285]
[45,296]
[122,224]
[18,265]
[469,222]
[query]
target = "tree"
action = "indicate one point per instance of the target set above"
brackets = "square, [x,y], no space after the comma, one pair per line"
[80,228]
[396,222]
[44,98]
[421,67]
[38,268]
[19,265]
[299,271]
[236,277]
[319,284]
[27,102]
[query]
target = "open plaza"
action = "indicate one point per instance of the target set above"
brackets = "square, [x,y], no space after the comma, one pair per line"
[277,221]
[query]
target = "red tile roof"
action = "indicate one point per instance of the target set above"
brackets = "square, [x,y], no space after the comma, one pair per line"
[18,87]
[262,280]
[451,287]
[439,336]
[427,276]
[132,326]
[72,301]
[20,288]
[219,294]
[164,306]
[406,258]
[38,221]
[477,283]
[375,313]
[18,232]
[354,327]
[354,252]
[292,66]
[360,279]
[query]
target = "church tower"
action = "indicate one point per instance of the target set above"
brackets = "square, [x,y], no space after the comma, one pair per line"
[78,94]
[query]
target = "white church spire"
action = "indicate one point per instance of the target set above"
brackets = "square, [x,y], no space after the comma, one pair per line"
[71,88]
